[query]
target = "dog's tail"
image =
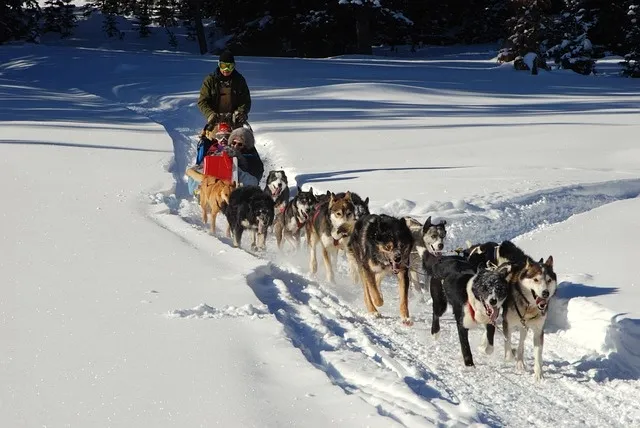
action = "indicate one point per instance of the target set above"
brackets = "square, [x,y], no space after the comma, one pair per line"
[196,175]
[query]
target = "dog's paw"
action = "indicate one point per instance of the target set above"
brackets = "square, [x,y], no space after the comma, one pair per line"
[486,348]
[537,375]
[407,322]
[520,365]
[374,315]
[509,354]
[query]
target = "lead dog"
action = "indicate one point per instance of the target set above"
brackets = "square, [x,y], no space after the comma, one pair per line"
[475,298]
[380,245]
[532,286]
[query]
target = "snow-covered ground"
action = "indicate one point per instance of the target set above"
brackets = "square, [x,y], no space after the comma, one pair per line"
[120,309]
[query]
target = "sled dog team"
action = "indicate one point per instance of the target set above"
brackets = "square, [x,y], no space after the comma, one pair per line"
[477,283]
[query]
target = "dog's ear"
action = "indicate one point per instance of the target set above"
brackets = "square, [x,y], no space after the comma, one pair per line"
[427,225]
[299,189]
[347,195]
[311,190]
[443,223]
[332,198]
[468,243]
[366,201]
[549,262]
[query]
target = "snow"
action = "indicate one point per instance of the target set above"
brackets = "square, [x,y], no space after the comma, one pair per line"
[120,309]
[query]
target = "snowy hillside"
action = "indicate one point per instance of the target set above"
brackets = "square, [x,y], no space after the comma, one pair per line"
[120,309]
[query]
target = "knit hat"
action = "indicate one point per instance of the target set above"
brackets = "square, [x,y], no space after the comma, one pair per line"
[226,56]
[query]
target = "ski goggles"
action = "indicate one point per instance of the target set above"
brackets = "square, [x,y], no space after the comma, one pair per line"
[222,136]
[237,144]
[226,66]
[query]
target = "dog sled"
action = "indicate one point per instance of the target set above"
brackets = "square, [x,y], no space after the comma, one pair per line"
[219,165]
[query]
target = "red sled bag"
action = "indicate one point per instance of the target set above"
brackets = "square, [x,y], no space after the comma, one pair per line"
[221,166]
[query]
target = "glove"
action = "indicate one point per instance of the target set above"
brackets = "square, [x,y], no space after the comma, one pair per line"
[213,118]
[239,118]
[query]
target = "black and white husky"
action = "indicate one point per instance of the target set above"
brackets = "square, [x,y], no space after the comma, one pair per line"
[249,209]
[427,238]
[277,187]
[475,298]
[297,212]
[532,286]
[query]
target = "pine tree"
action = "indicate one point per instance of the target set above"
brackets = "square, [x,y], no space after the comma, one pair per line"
[143,12]
[59,17]
[632,38]
[530,26]
[19,20]
[362,11]
[571,45]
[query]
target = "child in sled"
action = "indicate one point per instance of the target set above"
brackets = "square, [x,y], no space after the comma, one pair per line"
[238,143]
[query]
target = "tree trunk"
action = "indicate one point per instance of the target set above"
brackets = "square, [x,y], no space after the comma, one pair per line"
[363,30]
[197,19]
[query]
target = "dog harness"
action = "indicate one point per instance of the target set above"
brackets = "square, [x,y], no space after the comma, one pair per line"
[336,242]
[523,321]
[472,312]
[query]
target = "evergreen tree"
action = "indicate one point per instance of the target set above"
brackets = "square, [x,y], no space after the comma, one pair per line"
[165,15]
[143,12]
[59,17]
[530,26]
[632,38]
[19,20]
[571,46]
[362,11]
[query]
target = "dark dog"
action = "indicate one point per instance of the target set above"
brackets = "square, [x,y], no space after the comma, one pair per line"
[475,298]
[380,245]
[277,187]
[330,226]
[250,208]
[479,255]
[297,212]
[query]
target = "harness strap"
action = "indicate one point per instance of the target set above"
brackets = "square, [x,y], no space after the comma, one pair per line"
[523,321]
[472,311]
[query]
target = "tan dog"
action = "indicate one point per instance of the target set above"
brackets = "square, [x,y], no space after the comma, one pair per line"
[330,226]
[214,196]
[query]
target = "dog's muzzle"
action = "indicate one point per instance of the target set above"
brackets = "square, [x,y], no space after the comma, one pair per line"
[541,302]
[395,260]
[492,312]
[436,251]
[275,191]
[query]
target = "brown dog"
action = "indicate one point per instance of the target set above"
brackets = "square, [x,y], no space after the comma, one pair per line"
[214,196]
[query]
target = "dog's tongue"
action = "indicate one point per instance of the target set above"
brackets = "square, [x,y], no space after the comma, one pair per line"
[492,313]
[394,266]
[541,303]
[276,191]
